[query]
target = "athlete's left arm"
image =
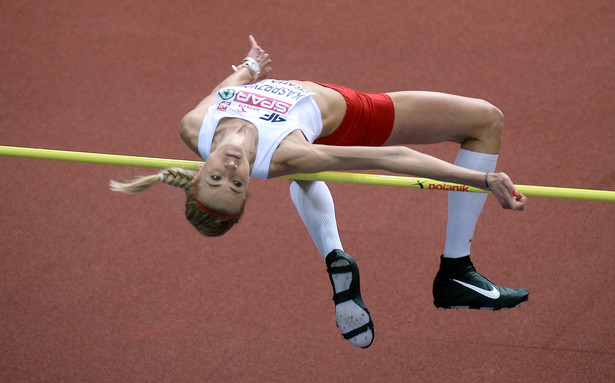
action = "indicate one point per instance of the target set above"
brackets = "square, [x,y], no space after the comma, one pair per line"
[191,123]
[243,75]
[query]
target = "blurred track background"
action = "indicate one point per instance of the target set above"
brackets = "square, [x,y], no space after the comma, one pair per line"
[101,287]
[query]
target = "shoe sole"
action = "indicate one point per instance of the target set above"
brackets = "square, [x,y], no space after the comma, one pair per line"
[352,294]
[494,308]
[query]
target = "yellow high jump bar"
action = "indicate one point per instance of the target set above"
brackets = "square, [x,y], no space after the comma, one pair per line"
[355,178]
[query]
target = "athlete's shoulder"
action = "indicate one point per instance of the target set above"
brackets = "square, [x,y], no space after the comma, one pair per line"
[190,126]
[288,156]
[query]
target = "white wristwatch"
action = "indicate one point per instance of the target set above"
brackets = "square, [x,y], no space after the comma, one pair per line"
[251,64]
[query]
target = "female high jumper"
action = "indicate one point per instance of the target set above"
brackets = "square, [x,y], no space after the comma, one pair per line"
[250,126]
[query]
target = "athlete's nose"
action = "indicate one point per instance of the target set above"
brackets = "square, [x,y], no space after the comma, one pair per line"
[230,163]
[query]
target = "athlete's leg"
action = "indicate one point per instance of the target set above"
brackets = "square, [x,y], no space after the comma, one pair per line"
[431,117]
[465,208]
[428,117]
[314,203]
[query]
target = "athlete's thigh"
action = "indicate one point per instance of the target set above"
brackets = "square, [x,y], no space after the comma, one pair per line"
[431,117]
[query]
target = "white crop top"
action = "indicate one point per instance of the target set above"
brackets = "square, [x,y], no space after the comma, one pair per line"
[276,108]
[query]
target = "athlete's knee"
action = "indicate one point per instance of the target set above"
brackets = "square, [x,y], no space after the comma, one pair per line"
[486,132]
[492,122]
[496,119]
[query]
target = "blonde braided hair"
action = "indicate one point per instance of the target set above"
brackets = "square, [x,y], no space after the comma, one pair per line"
[206,223]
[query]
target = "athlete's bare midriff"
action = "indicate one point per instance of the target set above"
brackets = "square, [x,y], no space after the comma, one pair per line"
[331,104]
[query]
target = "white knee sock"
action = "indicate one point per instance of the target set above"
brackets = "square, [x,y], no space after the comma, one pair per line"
[464,208]
[314,203]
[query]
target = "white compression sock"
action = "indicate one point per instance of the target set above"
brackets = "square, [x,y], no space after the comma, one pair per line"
[314,203]
[464,208]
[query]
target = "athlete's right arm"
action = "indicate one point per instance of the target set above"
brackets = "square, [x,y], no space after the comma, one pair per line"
[296,156]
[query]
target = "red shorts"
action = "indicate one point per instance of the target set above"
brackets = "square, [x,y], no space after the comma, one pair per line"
[368,120]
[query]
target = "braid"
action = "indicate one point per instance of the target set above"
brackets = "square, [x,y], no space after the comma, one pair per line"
[177,177]
[173,176]
[205,223]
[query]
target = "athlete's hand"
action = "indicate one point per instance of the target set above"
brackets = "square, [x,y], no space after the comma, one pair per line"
[261,57]
[503,189]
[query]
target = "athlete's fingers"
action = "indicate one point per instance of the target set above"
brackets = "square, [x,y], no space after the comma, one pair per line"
[514,200]
[520,200]
[256,52]
[253,42]
[506,193]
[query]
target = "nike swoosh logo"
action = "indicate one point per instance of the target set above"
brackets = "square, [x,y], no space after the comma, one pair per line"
[492,294]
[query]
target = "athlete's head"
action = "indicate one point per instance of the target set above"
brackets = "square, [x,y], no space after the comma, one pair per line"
[212,210]
[221,184]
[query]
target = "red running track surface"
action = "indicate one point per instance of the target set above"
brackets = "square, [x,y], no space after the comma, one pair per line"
[102,287]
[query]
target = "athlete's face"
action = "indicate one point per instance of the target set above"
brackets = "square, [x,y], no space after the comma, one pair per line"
[222,182]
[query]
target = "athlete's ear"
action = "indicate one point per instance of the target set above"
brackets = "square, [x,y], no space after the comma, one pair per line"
[196,175]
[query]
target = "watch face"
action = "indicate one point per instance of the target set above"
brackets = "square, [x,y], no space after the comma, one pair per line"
[254,66]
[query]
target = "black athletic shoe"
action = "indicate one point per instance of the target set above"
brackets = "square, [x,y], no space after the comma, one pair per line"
[458,285]
[351,315]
